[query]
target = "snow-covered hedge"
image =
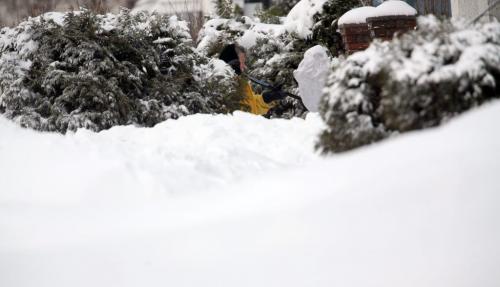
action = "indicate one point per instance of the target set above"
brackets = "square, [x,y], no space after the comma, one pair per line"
[416,81]
[62,72]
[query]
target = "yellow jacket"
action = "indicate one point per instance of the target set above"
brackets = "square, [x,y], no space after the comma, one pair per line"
[253,103]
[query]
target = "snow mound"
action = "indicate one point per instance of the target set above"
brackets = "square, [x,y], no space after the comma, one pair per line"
[300,19]
[311,76]
[199,152]
[419,210]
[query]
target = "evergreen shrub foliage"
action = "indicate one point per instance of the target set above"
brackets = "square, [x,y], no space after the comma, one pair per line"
[224,8]
[286,5]
[95,72]
[416,81]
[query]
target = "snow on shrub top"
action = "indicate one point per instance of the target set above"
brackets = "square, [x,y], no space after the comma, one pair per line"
[416,81]
[260,30]
[218,32]
[300,20]
[357,15]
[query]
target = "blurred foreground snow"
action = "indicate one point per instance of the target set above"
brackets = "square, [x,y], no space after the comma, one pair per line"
[244,201]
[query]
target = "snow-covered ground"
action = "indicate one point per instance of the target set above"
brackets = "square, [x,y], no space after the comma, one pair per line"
[244,201]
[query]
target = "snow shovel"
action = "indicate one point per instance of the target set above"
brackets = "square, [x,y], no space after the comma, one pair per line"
[272,87]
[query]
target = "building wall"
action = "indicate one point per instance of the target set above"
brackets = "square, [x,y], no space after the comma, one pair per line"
[495,12]
[469,9]
[436,7]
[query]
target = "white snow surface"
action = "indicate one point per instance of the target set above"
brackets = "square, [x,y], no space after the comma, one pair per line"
[251,30]
[388,8]
[300,19]
[244,201]
[311,76]
[356,15]
[394,8]
[260,30]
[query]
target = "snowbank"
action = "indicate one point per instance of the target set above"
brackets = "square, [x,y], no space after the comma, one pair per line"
[419,210]
[199,152]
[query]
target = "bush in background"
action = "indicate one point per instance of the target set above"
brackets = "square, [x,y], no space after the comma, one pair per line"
[416,81]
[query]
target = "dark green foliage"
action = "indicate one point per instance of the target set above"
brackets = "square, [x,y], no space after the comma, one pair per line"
[414,82]
[325,30]
[224,8]
[96,72]
[285,6]
[271,15]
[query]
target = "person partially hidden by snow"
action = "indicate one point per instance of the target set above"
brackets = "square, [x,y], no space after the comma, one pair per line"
[235,56]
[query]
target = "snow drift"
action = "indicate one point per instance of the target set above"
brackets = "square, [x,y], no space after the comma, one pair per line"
[95,209]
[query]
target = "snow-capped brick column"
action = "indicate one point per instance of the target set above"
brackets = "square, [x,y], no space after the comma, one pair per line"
[390,18]
[354,29]
[387,26]
[356,37]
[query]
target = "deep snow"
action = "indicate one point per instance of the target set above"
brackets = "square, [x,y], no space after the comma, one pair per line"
[244,201]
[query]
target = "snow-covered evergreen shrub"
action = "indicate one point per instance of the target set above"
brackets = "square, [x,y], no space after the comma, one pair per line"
[61,72]
[217,33]
[416,81]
